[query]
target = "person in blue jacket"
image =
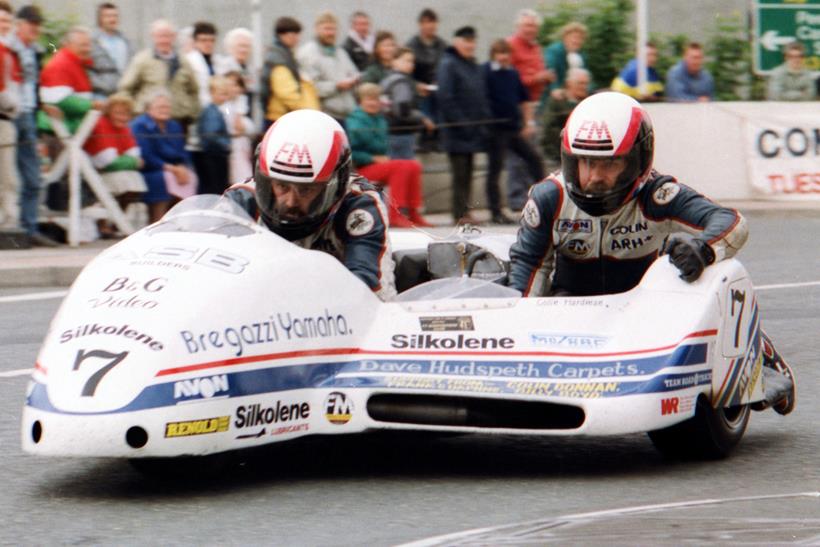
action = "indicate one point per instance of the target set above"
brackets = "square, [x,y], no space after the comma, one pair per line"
[166,164]
[688,81]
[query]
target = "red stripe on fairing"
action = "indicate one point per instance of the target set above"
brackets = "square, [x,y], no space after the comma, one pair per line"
[360,351]
[332,158]
[40,368]
[631,131]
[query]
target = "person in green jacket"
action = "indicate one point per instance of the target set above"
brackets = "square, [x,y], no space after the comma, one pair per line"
[564,54]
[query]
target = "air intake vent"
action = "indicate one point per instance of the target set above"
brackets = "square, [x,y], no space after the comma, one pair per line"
[472,412]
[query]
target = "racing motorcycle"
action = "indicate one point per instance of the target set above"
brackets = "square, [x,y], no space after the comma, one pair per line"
[206,333]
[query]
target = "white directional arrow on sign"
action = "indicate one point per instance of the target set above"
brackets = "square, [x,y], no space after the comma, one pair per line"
[771,41]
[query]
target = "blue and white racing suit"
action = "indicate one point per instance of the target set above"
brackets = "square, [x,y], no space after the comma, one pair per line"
[563,250]
[355,232]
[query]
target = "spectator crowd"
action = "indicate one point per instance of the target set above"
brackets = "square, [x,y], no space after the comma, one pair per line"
[182,116]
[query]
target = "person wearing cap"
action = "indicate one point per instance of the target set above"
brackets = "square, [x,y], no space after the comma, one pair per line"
[24,42]
[463,108]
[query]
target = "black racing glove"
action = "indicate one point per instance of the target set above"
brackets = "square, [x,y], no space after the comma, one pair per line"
[689,254]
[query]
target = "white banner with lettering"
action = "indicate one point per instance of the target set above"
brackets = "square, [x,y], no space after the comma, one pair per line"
[783,155]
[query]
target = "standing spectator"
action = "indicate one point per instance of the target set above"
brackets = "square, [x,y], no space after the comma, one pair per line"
[526,56]
[160,67]
[427,48]
[383,53]
[462,99]
[65,84]
[214,140]
[284,89]
[11,81]
[399,91]
[367,131]
[566,54]
[235,110]
[527,59]
[627,81]
[202,58]
[239,48]
[576,89]
[110,52]
[24,43]
[360,42]
[115,154]
[6,21]
[509,101]
[791,81]
[688,81]
[166,164]
[330,69]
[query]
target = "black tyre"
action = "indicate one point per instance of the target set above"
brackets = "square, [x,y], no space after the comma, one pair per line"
[710,434]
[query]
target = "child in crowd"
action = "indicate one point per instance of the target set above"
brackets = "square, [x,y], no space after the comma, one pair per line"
[241,126]
[367,130]
[399,90]
[214,140]
[115,154]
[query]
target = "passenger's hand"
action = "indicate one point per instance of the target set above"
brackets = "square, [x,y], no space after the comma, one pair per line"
[689,254]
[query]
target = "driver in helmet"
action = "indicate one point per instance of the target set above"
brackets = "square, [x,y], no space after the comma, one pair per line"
[302,190]
[597,226]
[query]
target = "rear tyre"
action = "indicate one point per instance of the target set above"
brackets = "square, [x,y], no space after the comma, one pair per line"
[712,433]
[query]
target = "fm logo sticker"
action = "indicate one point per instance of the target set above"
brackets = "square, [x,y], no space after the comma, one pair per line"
[359,222]
[338,408]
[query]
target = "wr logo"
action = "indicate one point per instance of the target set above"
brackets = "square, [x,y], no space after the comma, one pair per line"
[670,406]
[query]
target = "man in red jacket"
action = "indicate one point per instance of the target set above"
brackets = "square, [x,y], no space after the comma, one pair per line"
[11,79]
[64,82]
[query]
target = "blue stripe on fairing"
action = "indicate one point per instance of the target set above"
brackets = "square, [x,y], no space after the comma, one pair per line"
[325,375]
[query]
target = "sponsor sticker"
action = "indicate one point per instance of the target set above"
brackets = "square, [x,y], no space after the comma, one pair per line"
[256,415]
[359,222]
[574,341]
[201,388]
[445,323]
[428,341]
[531,216]
[578,247]
[182,257]
[666,193]
[338,408]
[124,292]
[676,405]
[220,424]
[573,225]
[122,331]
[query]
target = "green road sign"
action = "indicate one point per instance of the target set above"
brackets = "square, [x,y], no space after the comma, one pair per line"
[778,23]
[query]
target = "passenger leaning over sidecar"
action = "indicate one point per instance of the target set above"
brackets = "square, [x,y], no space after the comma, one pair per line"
[596,227]
[303,190]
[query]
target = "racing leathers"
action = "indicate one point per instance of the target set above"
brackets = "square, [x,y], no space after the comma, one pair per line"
[355,232]
[561,250]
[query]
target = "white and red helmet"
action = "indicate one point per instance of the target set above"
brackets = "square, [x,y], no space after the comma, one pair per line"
[607,125]
[302,147]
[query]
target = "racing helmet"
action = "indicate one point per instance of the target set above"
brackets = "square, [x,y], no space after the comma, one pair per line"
[607,125]
[302,147]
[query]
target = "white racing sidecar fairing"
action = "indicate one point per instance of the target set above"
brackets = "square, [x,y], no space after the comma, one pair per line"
[206,333]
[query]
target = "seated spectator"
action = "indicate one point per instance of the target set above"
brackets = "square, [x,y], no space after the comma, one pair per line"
[564,54]
[402,116]
[115,154]
[688,81]
[65,88]
[214,140]
[330,69]
[791,81]
[111,51]
[367,131]
[576,89]
[627,81]
[360,40]
[235,110]
[509,101]
[283,87]
[383,53]
[166,164]
[161,67]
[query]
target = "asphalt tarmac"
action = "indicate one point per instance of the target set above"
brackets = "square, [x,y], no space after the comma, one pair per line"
[392,489]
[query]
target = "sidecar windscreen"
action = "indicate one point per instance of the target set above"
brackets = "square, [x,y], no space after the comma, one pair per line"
[207,213]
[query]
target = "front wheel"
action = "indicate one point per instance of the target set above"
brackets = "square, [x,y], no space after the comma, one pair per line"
[712,433]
